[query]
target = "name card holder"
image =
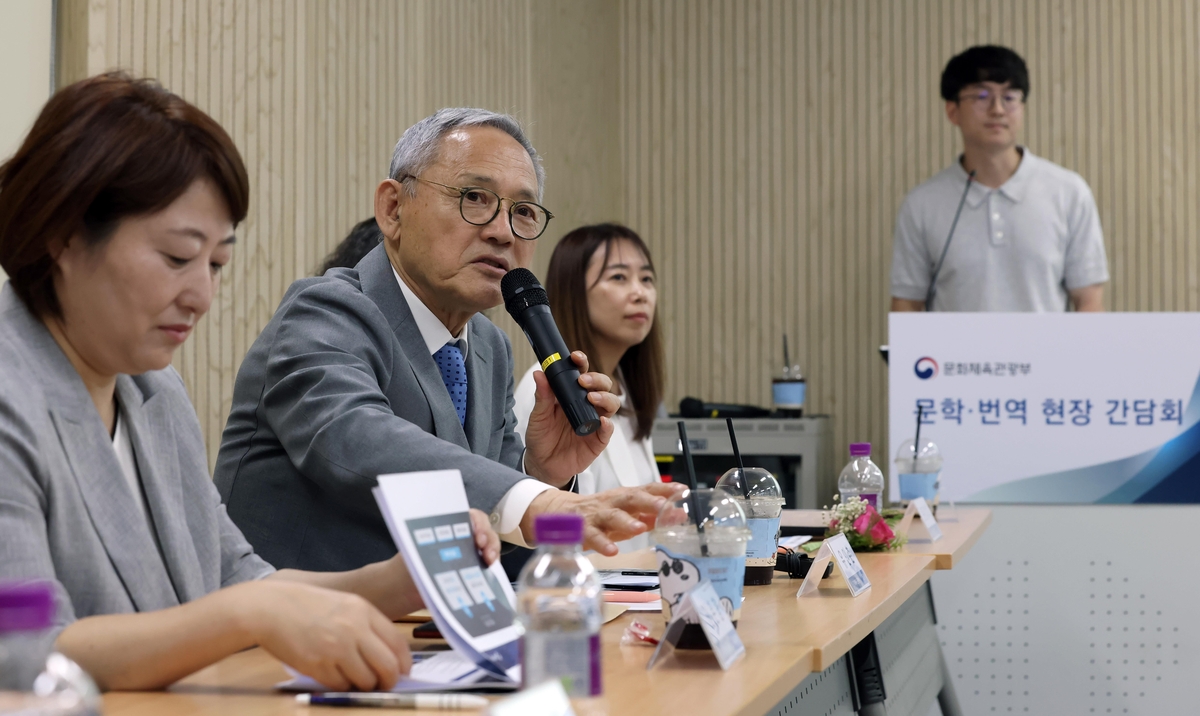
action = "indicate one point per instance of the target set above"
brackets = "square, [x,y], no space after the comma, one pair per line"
[839,550]
[702,602]
[919,507]
[546,699]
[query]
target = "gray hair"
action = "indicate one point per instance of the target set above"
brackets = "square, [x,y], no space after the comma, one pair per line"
[418,146]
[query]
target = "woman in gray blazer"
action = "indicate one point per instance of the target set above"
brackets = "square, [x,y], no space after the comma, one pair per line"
[116,216]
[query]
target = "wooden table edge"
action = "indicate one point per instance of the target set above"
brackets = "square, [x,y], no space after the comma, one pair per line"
[769,698]
[826,656]
[949,561]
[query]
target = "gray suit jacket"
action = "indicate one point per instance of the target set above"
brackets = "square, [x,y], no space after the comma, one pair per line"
[67,514]
[340,388]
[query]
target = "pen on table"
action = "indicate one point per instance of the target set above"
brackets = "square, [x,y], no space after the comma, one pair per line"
[433,702]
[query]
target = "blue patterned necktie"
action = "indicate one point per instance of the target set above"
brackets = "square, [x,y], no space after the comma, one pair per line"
[450,362]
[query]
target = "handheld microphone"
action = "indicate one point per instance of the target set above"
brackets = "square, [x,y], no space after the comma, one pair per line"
[527,303]
[946,247]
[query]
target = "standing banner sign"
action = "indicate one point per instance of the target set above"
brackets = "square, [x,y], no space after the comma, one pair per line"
[1051,408]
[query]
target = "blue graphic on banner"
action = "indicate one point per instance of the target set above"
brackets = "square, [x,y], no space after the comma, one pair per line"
[925,368]
[1168,474]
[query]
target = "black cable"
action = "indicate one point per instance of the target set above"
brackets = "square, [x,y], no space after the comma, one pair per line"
[946,247]
[796,564]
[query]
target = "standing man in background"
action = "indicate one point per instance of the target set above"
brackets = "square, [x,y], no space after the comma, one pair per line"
[1028,237]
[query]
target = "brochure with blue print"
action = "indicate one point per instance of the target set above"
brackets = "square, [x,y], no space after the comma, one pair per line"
[472,604]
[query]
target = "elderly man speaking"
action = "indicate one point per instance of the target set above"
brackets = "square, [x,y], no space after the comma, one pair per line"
[390,367]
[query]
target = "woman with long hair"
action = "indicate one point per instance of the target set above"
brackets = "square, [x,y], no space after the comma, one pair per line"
[603,294]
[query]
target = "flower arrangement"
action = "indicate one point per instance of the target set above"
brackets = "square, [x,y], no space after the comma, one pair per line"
[865,528]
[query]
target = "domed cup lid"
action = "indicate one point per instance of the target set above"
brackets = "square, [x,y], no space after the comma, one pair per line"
[720,515]
[755,483]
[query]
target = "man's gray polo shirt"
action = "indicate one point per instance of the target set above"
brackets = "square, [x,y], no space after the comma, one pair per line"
[1021,247]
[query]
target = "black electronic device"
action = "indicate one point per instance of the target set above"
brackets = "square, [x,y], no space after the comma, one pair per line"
[797,564]
[527,303]
[696,408]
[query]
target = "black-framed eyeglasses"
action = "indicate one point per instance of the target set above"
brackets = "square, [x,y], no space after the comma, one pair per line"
[479,206]
[983,99]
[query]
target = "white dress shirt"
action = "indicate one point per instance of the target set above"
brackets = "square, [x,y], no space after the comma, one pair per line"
[506,517]
[625,462]
[124,449]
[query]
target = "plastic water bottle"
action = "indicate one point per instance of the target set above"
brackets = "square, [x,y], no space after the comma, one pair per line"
[559,606]
[861,477]
[29,682]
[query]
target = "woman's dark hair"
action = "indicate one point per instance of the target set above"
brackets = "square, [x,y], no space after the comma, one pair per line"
[641,367]
[102,149]
[984,63]
[358,243]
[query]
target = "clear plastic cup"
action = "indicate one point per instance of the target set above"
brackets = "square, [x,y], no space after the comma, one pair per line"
[761,499]
[919,470]
[687,555]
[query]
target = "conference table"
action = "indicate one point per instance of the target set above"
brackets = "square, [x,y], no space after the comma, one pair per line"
[798,650]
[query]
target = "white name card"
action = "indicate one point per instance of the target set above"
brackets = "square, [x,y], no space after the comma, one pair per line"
[702,602]
[919,507]
[838,549]
[546,699]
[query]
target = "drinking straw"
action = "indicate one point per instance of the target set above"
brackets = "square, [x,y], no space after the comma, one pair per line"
[738,454]
[917,440]
[691,474]
[787,363]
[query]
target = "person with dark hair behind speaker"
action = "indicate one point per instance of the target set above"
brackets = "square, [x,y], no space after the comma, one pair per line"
[1000,229]
[604,296]
[357,244]
[392,367]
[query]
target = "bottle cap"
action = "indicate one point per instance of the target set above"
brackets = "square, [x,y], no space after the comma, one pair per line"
[26,606]
[558,529]
[860,449]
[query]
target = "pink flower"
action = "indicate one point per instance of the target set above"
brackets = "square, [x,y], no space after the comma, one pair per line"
[863,524]
[881,533]
[871,524]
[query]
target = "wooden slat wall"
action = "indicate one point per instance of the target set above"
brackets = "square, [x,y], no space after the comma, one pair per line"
[316,92]
[768,145]
[762,147]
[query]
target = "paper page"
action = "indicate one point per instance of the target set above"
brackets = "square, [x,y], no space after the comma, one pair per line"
[794,542]
[473,606]
[443,671]
[616,579]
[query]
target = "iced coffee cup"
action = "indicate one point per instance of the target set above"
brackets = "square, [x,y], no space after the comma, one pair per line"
[919,470]
[759,495]
[714,552]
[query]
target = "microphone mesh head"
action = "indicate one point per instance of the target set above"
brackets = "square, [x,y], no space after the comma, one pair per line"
[521,290]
